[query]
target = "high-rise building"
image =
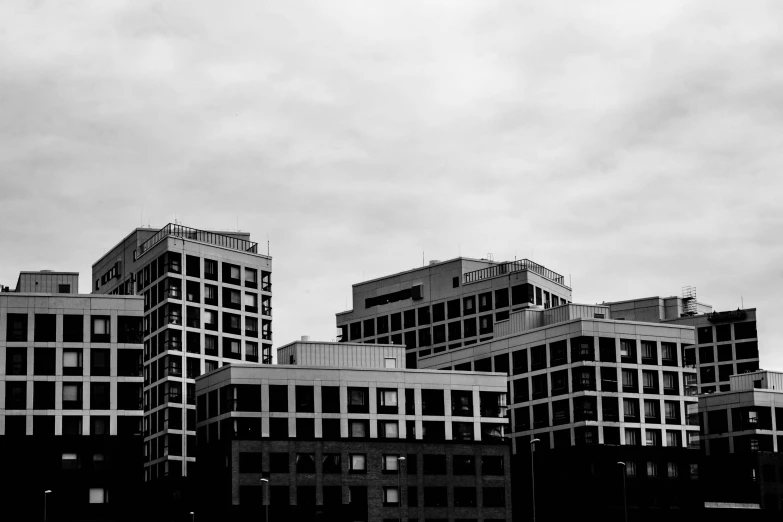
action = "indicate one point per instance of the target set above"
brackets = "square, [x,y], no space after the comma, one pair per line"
[324,440]
[70,399]
[726,342]
[207,302]
[447,305]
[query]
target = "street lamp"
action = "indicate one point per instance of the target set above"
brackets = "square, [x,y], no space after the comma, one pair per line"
[46,493]
[625,497]
[266,504]
[400,460]
[192,516]
[533,476]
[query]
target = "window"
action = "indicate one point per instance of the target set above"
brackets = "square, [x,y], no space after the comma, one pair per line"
[630,409]
[631,437]
[673,439]
[492,465]
[391,496]
[494,497]
[630,468]
[434,464]
[331,463]
[650,380]
[73,328]
[652,469]
[251,351]
[464,497]
[391,463]
[251,277]
[652,437]
[70,461]
[16,328]
[671,470]
[305,462]
[357,400]
[100,330]
[99,496]
[435,497]
[388,429]
[628,350]
[669,353]
[704,334]
[649,355]
[387,401]
[278,462]
[358,463]
[357,429]
[629,380]
[672,410]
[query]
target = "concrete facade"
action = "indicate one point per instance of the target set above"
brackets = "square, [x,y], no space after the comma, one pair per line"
[591,381]
[446,305]
[347,355]
[70,402]
[207,302]
[48,282]
[288,422]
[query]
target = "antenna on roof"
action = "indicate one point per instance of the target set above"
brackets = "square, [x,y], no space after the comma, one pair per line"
[742,300]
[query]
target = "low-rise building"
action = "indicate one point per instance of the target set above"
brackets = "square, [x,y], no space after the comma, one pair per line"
[350,443]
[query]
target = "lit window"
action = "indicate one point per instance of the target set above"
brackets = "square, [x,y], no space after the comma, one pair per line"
[652,469]
[235,297]
[357,398]
[70,392]
[210,317]
[100,326]
[630,468]
[358,462]
[234,272]
[99,496]
[391,495]
[390,430]
[234,346]
[72,359]
[390,462]
[671,470]
[250,275]
[251,300]
[389,398]
[70,461]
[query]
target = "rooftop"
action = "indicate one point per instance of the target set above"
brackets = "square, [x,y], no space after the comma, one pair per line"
[510,267]
[202,236]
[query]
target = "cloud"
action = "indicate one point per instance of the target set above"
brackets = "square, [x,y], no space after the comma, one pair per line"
[636,147]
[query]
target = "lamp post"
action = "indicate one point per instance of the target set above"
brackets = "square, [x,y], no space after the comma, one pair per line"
[192,516]
[46,493]
[625,497]
[533,476]
[400,460]
[266,504]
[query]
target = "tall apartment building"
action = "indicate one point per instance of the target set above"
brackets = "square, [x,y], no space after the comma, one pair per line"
[446,305]
[207,303]
[339,442]
[70,399]
[726,342]
[743,442]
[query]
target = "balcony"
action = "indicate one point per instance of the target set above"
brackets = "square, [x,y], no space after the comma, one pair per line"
[174,319]
[173,230]
[584,384]
[266,310]
[510,267]
[173,292]
[172,371]
[174,345]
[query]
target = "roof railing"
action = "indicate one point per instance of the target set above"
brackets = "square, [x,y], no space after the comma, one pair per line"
[513,266]
[202,236]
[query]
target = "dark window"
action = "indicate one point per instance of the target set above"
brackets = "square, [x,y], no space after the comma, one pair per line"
[278,398]
[439,333]
[725,353]
[305,399]
[63,289]
[704,334]
[424,315]
[521,391]
[706,354]
[453,309]
[608,378]
[232,274]
[501,363]
[723,332]
[435,496]
[607,349]
[305,462]
[455,331]
[558,353]
[438,312]
[358,400]
[330,429]
[383,324]
[746,330]
[192,266]
[725,371]
[501,298]
[278,428]
[538,357]
[16,395]
[519,360]
[492,465]
[330,399]
[333,495]
[747,350]
[485,324]
[432,402]
[434,464]
[43,425]
[73,328]
[16,361]
[16,328]
[540,386]
[434,431]
[369,327]
[45,328]
[396,322]
[99,362]
[331,463]
[43,395]
[425,337]
[356,330]
[469,327]
[278,462]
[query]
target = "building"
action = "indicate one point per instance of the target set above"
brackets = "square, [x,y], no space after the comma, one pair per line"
[726,342]
[352,443]
[446,305]
[70,399]
[742,442]
[594,392]
[207,302]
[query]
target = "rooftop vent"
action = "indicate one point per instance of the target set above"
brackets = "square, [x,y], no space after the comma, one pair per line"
[305,338]
[434,261]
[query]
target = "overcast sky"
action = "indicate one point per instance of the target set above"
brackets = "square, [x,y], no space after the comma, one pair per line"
[635,147]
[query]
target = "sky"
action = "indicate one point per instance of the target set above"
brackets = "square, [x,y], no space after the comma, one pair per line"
[635,147]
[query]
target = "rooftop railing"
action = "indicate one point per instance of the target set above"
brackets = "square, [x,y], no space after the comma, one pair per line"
[197,235]
[513,266]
